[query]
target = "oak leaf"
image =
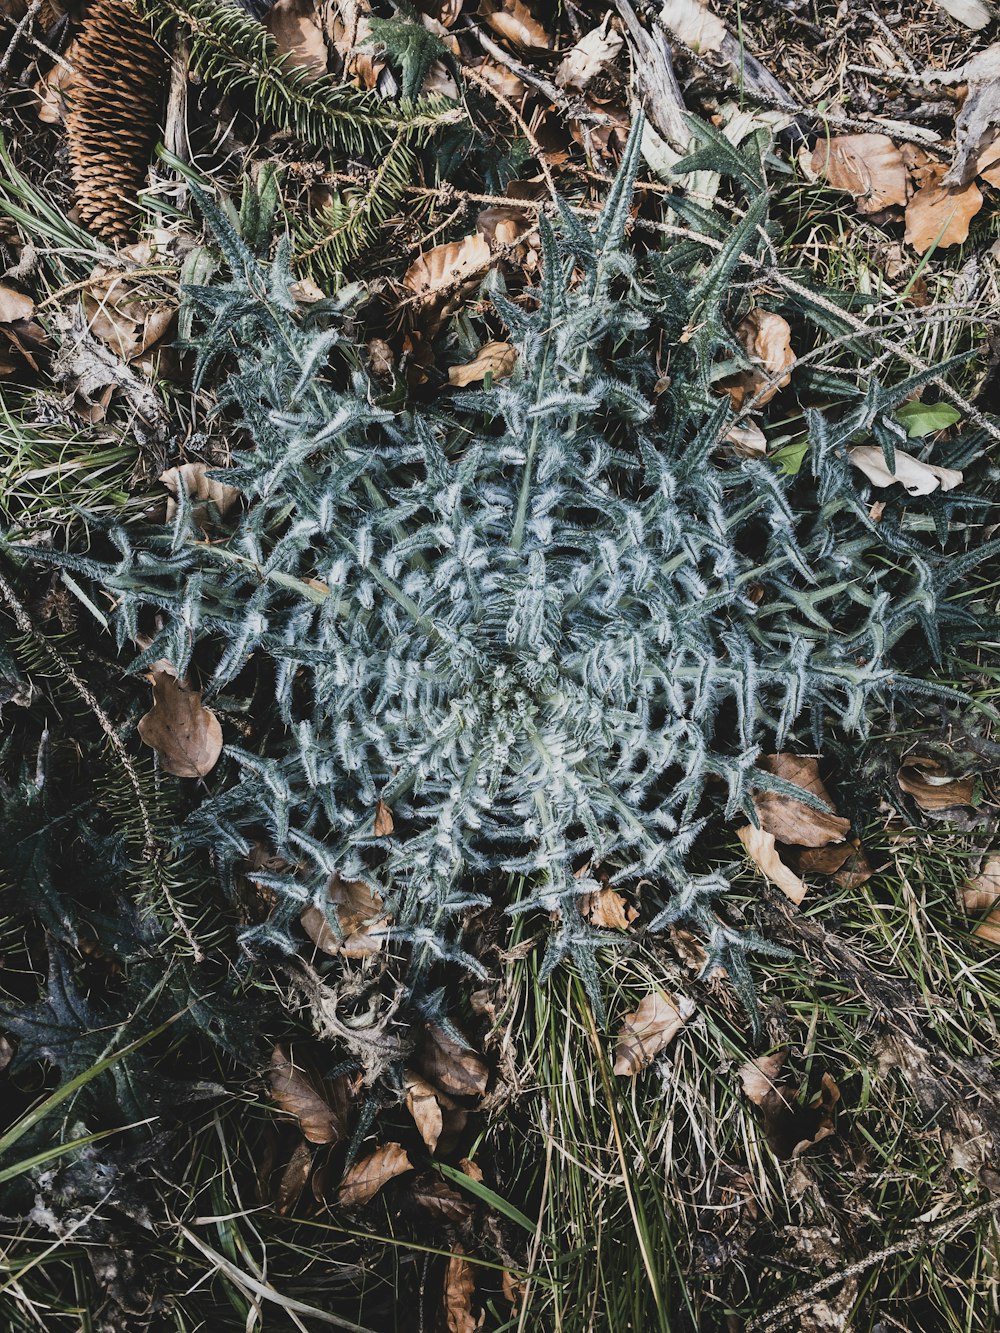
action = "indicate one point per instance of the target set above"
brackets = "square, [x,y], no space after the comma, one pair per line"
[793,821]
[186,736]
[940,217]
[364,1179]
[762,849]
[649,1030]
[869,166]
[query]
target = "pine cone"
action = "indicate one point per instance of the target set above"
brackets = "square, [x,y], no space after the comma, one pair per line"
[113,124]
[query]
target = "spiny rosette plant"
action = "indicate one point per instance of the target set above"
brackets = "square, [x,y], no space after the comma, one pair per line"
[551,622]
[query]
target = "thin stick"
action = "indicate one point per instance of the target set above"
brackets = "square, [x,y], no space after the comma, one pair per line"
[913,1240]
[18,33]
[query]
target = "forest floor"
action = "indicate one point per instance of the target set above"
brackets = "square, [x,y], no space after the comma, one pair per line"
[829,1161]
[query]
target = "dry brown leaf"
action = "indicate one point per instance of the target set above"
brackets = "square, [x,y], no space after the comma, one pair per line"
[116,312]
[501,80]
[494,358]
[364,1179]
[459,1289]
[297,34]
[513,1289]
[186,736]
[607,909]
[762,850]
[940,216]
[869,166]
[383,820]
[793,821]
[6,1052]
[584,61]
[694,25]
[293,1178]
[931,786]
[320,1111]
[14,305]
[358,911]
[422,1103]
[201,489]
[747,439]
[55,89]
[441,1202]
[649,1030]
[453,1065]
[767,339]
[514,21]
[442,270]
[916,477]
[789,1127]
[353,44]
[981,893]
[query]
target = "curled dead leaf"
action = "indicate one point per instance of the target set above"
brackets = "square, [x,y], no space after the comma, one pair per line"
[297,34]
[766,337]
[762,849]
[364,1179]
[423,1104]
[649,1030]
[939,216]
[358,911]
[452,1065]
[793,821]
[441,1202]
[607,909]
[869,166]
[201,489]
[118,314]
[790,1127]
[916,477]
[982,894]
[747,439]
[14,305]
[293,1178]
[494,358]
[514,21]
[694,25]
[584,61]
[459,1289]
[931,786]
[446,266]
[186,736]
[383,820]
[321,1110]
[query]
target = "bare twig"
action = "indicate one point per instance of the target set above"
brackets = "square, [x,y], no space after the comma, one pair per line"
[18,33]
[913,1240]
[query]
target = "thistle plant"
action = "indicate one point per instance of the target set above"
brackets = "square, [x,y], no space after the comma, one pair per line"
[550,622]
